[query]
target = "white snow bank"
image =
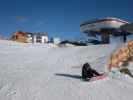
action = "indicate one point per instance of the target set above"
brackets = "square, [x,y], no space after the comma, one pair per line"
[45,72]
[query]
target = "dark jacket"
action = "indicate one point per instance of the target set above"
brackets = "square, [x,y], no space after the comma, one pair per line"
[88,72]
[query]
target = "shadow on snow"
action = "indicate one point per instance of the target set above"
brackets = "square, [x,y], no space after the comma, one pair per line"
[68,75]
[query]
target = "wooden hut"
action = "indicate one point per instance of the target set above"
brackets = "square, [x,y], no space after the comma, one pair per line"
[20,36]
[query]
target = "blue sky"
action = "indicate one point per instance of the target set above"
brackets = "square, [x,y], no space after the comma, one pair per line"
[60,18]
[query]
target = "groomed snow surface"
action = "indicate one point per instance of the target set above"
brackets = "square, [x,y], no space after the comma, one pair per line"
[48,72]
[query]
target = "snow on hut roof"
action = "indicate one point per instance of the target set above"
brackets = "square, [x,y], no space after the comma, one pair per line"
[104,19]
[38,34]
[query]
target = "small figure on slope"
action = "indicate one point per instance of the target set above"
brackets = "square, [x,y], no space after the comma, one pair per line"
[88,72]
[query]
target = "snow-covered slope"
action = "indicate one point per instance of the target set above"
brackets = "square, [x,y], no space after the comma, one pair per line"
[47,72]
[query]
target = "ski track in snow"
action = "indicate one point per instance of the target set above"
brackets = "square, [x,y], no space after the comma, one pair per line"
[45,72]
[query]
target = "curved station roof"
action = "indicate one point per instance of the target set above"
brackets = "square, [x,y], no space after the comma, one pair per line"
[109,23]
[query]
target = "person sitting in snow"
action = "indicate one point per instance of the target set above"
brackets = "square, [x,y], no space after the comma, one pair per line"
[88,72]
